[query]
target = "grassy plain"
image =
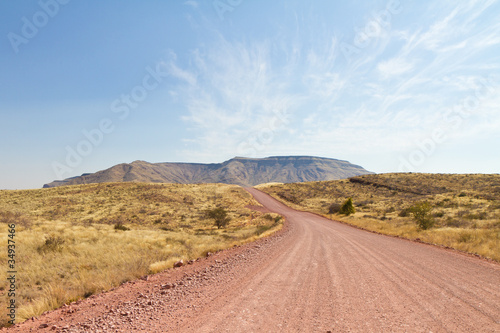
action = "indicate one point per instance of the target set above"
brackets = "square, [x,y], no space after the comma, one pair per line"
[75,241]
[465,208]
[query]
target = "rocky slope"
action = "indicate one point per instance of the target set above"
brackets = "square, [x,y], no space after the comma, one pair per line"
[239,170]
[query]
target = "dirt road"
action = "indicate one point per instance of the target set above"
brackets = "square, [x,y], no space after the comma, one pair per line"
[315,276]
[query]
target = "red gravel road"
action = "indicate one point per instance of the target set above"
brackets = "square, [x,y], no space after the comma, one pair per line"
[314,276]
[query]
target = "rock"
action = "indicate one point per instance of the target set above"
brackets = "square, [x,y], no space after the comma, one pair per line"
[43,326]
[179,263]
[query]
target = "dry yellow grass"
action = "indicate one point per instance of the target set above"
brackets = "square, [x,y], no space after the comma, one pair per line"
[68,247]
[465,208]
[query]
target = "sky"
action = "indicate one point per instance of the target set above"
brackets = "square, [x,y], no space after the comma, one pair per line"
[393,86]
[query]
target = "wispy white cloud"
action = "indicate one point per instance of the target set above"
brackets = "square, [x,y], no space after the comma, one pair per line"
[191,3]
[177,72]
[392,94]
[395,67]
[236,94]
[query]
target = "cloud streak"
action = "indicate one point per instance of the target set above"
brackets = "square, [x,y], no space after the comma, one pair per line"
[383,101]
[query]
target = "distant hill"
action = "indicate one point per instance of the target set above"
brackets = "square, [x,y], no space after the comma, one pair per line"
[239,170]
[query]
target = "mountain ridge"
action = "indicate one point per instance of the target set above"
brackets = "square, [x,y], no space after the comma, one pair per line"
[244,171]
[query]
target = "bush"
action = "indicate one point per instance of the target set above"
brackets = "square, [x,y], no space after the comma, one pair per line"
[288,197]
[347,208]
[421,214]
[120,226]
[52,243]
[404,212]
[439,214]
[334,208]
[220,216]
[268,217]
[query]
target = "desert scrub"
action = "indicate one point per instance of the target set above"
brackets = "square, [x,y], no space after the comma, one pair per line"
[422,214]
[219,215]
[74,245]
[347,208]
[52,243]
[120,226]
[467,222]
[334,208]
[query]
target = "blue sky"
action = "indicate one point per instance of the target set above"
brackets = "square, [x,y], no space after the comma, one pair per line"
[389,85]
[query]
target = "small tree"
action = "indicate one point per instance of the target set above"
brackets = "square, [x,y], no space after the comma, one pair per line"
[421,214]
[347,208]
[220,216]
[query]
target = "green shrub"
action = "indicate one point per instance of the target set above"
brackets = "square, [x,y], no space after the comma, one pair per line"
[347,208]
[422,214]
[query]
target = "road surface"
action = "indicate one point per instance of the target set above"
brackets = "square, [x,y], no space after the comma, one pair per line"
[315,276]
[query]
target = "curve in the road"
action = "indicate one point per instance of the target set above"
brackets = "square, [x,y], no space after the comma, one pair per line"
[327,276]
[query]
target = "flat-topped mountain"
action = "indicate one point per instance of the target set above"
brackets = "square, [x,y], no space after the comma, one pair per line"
[239,170]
